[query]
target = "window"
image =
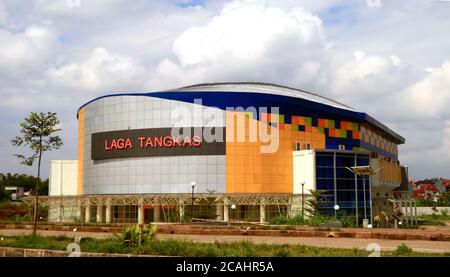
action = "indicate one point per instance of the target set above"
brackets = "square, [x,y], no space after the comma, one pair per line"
[298,146]
[341,147]
[363,160]
[324,160]
[307,146]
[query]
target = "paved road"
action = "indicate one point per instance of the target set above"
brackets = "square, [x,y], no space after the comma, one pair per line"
[416,245]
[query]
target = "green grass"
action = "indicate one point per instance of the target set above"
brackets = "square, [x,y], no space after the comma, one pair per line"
[36,242]
[196,249]
[298,220]
[316,220]
[434,219]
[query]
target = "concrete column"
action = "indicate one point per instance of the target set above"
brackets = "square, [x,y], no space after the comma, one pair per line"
[415,211]
[141,214]
[99,213]
[220,212]
[181,205]
[108,213]
[412,212]
[262,213]
[87,213]
[79,212]
[226,211]
[61,212]
[156,213]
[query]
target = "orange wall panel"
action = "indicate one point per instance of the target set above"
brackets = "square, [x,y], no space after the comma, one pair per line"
[250,171]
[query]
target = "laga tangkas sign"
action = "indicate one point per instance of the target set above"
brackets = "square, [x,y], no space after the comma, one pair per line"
[155,142]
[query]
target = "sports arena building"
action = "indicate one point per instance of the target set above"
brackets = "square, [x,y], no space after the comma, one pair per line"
[243,151]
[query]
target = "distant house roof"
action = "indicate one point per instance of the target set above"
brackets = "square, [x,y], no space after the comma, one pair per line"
[428,187]
[13,188]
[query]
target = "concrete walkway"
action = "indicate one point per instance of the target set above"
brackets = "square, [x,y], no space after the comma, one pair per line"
[416,245]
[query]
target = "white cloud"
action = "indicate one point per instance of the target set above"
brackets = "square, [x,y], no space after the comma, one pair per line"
[367,76]
[427,152]
[445,147]
[244,31]
[3,13]
[100,71]
[250,40]
[32,45]
[395,60]
[430,97]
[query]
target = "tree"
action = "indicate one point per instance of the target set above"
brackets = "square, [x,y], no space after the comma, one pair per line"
[316,202]
[2,188]
[3,194]
[28,182]
[38,134]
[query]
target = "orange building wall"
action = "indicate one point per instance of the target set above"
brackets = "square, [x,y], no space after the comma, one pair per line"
[370,135]
[80,150]
[390,171]
[250,171]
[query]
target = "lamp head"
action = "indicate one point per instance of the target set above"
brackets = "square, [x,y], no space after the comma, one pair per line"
[193,184]
[336,207]
[233,206]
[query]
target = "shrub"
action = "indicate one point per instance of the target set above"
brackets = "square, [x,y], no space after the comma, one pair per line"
[279,220]
[136,235]
[284,220]
[435,216]
[348,221]
[27,217]
[77,219]
[403,250]
[298,220]
[317,219]
[18,218]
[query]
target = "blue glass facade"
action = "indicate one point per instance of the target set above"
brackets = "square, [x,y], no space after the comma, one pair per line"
[341,186]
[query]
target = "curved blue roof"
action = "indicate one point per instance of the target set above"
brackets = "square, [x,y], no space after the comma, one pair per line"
[290,101]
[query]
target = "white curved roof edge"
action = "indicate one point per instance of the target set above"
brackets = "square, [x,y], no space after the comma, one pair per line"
[265,88]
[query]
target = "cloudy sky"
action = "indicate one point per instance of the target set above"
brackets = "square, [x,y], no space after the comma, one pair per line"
[389,58]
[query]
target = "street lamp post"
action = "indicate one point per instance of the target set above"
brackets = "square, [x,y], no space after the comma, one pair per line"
[364,195]
[233,207]
[303,200]
[192,199]
[336,209]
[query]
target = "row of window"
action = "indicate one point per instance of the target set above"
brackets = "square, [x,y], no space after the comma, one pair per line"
[342,160]
[307,146]
[344,195]
[341,184]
